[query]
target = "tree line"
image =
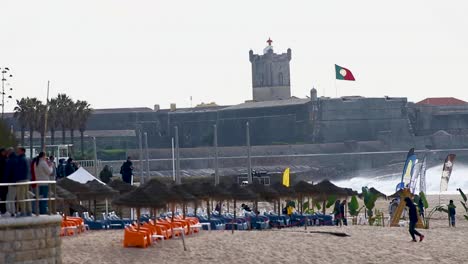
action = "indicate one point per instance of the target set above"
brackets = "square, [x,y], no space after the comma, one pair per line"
[62,114]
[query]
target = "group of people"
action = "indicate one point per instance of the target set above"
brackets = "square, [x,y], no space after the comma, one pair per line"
[126,170]
[15,167]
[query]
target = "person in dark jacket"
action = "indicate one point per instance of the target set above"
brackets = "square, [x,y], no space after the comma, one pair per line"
[336,213]
[69,167]
[106,174]
[451,213]
[342,212]
[21,174]
[61,169]
[127,171]
[3,189]
[413,219]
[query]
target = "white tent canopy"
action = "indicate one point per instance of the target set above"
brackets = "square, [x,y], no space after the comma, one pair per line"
[83,176]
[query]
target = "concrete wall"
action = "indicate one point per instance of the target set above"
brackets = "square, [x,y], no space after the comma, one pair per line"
[31,240]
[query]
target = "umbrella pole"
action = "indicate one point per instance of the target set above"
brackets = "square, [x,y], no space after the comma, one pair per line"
[279,207]
[138,218]
[107,207]
[324,207]
[208,209]
[232,225]
[173,209]
[95,209]
[183,211]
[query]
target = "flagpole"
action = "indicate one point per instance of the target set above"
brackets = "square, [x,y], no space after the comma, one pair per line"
[336,87]
[45,119]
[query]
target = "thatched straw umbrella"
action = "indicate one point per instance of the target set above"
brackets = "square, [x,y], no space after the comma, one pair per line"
[65,197]
[121,186]
[138,199]
[92,190]
[325,188]
[239,194]
[182,196]
[263,192]
[100,191]
[206,191]
[303,189]
[162,192]
[376,192]
[283,192]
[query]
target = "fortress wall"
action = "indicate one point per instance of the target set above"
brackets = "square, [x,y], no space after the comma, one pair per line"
[362,119]
[31,240]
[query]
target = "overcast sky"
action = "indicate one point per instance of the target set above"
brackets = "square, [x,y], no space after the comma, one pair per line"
[122,53]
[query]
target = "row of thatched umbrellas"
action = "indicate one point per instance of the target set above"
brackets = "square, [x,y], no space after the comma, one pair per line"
[157,195]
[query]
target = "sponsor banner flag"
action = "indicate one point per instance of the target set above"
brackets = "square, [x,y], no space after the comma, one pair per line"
[446,172]
[407,170]
[422,180]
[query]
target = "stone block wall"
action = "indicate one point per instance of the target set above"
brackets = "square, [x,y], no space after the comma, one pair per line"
[31,240]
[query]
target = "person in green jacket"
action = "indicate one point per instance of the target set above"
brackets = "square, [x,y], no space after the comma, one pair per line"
[451,213]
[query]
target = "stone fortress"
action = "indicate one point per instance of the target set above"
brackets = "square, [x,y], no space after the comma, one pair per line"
[281,124]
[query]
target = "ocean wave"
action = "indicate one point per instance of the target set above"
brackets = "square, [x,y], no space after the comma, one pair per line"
[387,183]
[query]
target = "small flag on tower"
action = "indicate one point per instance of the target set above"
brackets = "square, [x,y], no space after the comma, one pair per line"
[343,73]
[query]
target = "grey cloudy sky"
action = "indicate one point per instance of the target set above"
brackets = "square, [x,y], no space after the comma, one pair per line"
[117,53]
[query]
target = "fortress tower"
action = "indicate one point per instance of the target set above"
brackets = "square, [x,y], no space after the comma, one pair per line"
[270,74]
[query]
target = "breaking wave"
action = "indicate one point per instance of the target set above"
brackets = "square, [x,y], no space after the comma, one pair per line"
[387,183]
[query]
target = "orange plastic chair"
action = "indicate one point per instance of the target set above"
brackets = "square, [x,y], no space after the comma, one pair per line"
[134,238]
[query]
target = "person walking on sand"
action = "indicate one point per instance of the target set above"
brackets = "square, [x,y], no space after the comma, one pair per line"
[413,219]
[451,213]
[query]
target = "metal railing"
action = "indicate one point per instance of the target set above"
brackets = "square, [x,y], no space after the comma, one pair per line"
[265,180]
[88,163]
[51,201]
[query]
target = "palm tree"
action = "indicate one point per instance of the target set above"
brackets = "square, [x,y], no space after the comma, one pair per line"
[21,113]
[73,120]
[84,111]
[53,119]
[40,114]
[63,105]
[28,112]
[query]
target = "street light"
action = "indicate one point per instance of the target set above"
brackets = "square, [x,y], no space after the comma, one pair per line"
[5,76]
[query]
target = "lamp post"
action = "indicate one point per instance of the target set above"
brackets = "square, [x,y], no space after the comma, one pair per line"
[5,75]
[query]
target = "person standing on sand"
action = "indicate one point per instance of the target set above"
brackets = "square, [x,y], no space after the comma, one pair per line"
[413,219]
[336,213]
[342,212]
[451,213]
[126,170]
[421,208]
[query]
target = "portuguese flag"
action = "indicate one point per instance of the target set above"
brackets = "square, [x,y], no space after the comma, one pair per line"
[343,74]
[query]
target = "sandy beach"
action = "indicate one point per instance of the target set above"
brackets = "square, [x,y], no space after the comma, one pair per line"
[365,244]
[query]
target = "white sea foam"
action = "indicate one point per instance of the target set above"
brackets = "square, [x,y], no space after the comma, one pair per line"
[387,183]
